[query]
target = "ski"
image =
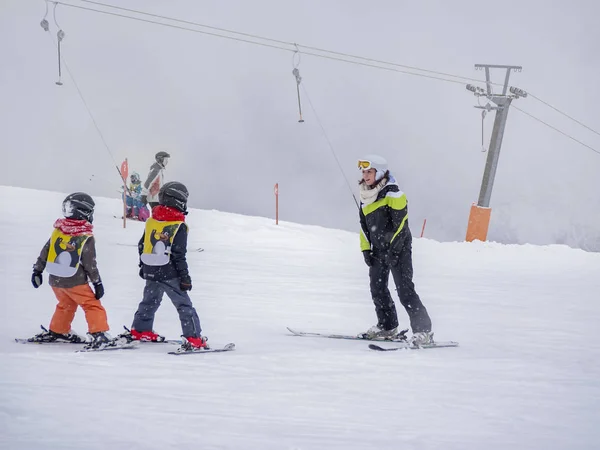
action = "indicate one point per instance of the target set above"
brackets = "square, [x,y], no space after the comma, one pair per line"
[123,346]
[116,346]
[410,346]
[166,341]
[28,341]
[226,348]
[131,219]
[75,339]
[400,337]
[199,249]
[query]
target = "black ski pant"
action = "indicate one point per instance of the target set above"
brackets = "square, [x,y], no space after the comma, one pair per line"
[402,273]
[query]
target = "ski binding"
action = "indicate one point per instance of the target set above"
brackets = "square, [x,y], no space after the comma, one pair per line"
[226,348]
[400,337]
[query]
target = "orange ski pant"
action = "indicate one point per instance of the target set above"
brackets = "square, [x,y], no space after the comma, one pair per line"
[68,300]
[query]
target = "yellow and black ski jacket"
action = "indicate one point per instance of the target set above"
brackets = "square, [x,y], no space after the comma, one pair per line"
[384,223]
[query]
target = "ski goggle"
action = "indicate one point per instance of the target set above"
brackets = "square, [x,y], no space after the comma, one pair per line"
[363,164]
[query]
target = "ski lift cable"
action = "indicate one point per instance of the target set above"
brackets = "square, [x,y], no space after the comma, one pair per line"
[555,129]
[292,44]
[331,52]
[563,113]
[340,56]
[290,47]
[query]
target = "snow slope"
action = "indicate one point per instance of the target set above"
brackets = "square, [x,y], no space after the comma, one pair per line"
[526,376]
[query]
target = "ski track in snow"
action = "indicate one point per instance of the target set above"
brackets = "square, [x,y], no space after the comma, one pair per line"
[526,374]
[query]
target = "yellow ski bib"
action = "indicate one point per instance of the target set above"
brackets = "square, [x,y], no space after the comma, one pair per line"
[158,240]
[64,253]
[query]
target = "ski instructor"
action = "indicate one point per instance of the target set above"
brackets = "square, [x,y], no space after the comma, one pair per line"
[386,243]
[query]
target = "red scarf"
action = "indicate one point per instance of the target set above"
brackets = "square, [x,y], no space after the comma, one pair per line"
[167,214]
[73,227]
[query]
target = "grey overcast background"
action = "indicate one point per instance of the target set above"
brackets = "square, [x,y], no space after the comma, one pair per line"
[227,110]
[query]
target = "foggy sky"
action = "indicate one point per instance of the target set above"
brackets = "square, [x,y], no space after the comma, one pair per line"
[227,111]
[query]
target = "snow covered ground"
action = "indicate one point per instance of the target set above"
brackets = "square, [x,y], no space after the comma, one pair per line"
[526,374]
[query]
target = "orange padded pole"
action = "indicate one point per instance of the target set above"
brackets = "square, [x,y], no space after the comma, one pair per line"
[479,222]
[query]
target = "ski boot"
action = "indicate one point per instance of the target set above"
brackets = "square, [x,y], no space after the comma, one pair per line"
[51,336]
[100,339]
[378,332]
[422,338]
[144,336]
[191,344]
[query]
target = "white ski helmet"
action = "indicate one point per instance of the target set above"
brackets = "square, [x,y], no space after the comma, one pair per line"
[374,162]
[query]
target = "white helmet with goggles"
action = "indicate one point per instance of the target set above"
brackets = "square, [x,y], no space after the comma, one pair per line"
[373,162]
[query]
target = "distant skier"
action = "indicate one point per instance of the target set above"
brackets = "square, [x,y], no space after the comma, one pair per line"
[155,179]
[135,207]
[386,243]
[163,265]
[69,257]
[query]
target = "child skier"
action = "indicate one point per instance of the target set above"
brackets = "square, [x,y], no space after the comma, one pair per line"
[69,257]
[134,196]
[163,265]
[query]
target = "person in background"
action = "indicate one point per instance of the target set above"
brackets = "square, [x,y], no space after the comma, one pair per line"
[155,179]
[133,197]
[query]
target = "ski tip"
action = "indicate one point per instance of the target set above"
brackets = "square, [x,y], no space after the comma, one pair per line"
[376,347]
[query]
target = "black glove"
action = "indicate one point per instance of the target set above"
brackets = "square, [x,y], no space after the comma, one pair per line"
[98,290]
[392,258]
[144,200]
[141,272]
[37,279]
[185,283]
[368,255]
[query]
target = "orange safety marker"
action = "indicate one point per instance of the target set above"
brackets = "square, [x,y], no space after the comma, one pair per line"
[479,222]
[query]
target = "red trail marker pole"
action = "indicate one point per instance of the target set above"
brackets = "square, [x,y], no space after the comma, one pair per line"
[423,229]
[276,203]
[124,174]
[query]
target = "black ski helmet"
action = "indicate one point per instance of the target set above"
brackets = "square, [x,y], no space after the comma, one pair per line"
[174,194]
[160,157]
[79,206]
